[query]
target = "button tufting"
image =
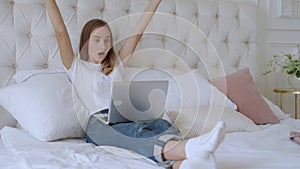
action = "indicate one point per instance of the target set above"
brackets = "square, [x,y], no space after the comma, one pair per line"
[45,65]
[195,66]
[101,10]
[14,66]
[43,4]
[163,39]
[29,35]
[75,7]
[12,2]
[127,10]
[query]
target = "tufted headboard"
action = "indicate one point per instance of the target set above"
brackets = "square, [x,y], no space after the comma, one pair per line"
[214,36]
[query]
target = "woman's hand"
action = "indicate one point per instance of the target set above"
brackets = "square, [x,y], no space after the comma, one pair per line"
[128,48]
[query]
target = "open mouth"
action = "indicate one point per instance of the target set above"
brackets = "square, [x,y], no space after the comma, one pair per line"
[100,53]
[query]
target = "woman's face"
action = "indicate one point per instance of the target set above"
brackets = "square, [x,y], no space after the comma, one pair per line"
[99,44]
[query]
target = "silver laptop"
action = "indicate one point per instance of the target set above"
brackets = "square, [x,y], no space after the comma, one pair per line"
[137,101]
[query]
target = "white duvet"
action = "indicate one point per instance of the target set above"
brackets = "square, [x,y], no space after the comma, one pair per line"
[269,148]
[70,154]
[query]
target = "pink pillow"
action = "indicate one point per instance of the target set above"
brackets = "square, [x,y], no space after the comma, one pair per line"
[241,89]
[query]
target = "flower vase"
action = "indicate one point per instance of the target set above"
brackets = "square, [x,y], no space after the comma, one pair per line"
[294,82]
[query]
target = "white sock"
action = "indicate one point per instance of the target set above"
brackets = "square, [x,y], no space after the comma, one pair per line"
[196,147]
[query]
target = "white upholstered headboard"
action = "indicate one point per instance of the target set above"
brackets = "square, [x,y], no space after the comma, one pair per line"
[211,35]
[27,40]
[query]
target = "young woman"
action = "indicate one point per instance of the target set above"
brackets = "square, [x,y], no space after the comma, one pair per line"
[157,139]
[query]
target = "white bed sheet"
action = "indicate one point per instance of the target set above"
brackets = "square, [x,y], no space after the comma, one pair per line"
[68,153]
[7,160]
[269,148]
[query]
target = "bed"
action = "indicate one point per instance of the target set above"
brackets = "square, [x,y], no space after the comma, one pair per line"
[194,44]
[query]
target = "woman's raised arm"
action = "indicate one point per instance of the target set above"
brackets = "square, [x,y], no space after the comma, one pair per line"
[62,35]
[134,37]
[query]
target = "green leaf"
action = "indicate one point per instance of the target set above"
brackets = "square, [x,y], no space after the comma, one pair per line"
[297,74]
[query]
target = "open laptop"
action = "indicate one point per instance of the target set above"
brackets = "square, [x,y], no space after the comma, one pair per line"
[137,101]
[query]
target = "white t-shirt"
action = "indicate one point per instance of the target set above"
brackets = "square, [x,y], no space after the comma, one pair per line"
[91,88]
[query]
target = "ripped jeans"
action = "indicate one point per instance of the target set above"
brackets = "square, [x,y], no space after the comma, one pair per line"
[145,138]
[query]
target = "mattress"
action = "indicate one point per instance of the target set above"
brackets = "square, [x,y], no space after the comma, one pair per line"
[269,147]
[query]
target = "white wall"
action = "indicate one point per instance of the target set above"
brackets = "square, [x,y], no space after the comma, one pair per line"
[275,34]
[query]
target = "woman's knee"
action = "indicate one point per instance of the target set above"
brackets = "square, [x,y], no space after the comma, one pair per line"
[159,123]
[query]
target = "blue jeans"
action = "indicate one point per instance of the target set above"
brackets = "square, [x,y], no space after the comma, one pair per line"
[147,139]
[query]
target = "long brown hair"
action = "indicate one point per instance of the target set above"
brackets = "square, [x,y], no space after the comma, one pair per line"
[109,62]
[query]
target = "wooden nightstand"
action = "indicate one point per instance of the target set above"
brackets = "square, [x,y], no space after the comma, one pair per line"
[283,91]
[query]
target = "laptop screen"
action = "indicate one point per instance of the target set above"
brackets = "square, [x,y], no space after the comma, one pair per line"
[137,101]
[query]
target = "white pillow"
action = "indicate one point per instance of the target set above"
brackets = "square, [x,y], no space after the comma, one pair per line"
[6,119]
[185,90]
[195,121]
[42,104]
[197,91]
[276,110]
[26,74]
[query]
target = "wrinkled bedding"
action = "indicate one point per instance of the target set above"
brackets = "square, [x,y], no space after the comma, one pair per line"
[268,148]
[7,160]
[69,153]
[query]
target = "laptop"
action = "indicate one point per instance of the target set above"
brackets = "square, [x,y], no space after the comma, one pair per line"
[136,101]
